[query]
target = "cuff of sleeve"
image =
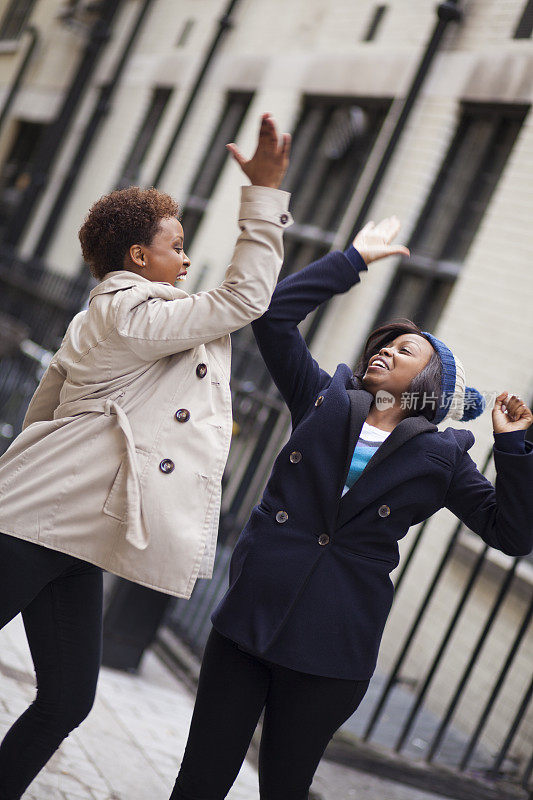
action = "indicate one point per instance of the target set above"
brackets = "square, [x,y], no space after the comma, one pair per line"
[510,442]
[355,258]
[265,203]
[266,194]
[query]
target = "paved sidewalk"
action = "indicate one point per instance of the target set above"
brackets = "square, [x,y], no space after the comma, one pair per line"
[130,746]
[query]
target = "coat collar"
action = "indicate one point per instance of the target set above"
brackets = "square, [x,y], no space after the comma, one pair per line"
[121,279]
[360,402]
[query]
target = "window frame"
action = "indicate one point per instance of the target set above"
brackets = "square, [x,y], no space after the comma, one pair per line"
[439,270]
[144,136]
[307,241]
[14,19]
[213,158]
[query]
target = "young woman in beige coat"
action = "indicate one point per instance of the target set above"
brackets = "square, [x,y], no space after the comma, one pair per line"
[120,460]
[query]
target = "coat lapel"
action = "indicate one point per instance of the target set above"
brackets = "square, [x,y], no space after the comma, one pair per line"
[360,402]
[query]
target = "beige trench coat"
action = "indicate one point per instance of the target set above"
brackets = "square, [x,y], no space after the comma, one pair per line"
[125,440]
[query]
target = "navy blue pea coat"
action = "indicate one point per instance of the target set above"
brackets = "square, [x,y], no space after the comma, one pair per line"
[309,585]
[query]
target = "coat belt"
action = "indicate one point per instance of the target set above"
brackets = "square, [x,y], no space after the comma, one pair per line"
[136,533]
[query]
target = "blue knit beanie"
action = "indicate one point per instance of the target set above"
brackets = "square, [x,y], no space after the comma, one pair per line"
[458,401]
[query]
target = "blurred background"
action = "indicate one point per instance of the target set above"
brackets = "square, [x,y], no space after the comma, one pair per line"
[411,107]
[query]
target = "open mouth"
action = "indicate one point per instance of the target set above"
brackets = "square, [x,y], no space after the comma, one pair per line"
[378,363]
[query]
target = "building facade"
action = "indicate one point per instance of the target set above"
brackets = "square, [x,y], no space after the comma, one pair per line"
[408,107]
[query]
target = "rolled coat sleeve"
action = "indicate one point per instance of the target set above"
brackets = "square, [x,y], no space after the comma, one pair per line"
[501,514]
[156,328]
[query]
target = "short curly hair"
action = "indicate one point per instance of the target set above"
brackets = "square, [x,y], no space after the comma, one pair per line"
[118,220]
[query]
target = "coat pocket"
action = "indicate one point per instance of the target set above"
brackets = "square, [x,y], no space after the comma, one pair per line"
[391,562]
[441,460]
[115,503]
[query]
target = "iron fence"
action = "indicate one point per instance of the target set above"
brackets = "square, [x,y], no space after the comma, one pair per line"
[36,306]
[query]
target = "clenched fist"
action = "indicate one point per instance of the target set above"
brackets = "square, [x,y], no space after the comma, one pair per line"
[510,414]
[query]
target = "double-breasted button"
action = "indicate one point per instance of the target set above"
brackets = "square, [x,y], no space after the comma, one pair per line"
[183,414]
[166,466]
[282,516]
[201,370]
[383,511]
[319,400]
[323,539]
[284,219]
[295,457]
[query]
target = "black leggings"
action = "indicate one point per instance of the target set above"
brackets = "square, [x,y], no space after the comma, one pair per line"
[302,712]
[60,598]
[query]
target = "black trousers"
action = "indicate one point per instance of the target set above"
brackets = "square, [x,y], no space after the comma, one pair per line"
[60,598]
[302,712]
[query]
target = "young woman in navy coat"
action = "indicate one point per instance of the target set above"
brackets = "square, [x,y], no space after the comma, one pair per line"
[299,628]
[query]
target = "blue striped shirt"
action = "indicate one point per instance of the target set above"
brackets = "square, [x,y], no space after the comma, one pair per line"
[367,444]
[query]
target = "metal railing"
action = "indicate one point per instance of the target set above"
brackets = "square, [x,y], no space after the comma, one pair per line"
[36,306]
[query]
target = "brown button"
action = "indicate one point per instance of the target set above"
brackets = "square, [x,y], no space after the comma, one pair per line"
[323,539]
[183,414]
[383,511]
[295,457]
[319,401]
[201,370]
[284,219]
[282,516]
[167,466]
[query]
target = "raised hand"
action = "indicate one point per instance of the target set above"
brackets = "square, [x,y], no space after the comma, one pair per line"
[269,163]
[510,414]
[374,241]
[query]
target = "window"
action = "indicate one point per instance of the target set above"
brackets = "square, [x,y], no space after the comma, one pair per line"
[453,213]
[14,19]
[211,163]
[145,134]
[375,22]
[331,144]
[185,32]
[15,172]
[332,141]
[525,26]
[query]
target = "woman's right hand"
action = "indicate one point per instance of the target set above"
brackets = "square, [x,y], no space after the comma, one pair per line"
[374,241]
[269,163]
[510,413]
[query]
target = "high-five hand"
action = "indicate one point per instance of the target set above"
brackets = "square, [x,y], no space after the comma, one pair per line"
[510,414]
[269,163]
[374,241]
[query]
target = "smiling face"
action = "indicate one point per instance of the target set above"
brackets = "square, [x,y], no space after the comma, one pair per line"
[395,364]
[164,259]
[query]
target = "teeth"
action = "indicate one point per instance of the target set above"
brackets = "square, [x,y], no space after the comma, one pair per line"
[379,362]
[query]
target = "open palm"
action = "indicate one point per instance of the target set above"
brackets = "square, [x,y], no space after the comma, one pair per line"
[374,241]
[270,161]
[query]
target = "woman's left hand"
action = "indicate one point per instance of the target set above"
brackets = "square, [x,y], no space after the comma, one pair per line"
[510,414]
[375,241]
